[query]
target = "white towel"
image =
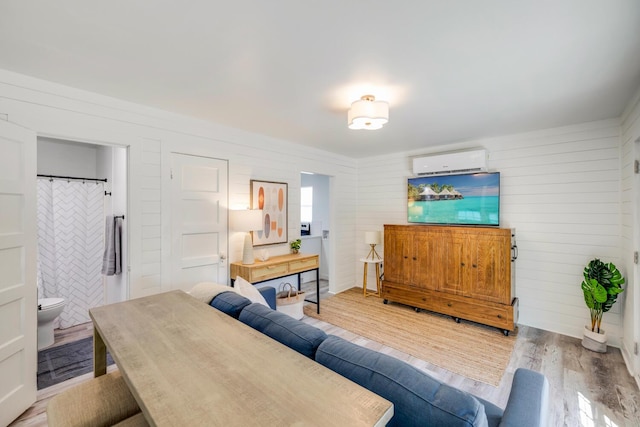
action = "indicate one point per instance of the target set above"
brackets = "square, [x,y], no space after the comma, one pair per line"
[112,258]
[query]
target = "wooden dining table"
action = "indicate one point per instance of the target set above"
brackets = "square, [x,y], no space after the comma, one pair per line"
[188,364]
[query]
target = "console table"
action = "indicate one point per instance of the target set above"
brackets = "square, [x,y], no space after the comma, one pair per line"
[277,267]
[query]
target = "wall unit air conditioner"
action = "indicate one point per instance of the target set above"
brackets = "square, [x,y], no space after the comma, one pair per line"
[451,163]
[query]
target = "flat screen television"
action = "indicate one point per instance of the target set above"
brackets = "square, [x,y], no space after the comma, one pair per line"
[467,199]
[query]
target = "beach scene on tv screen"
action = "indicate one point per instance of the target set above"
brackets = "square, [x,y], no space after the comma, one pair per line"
[472,199]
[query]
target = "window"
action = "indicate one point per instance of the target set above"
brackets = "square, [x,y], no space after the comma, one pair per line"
[306,204]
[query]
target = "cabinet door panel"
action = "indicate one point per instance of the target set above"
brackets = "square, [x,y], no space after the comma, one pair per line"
[490,269]
[453,263]
[422,261]
[394,242]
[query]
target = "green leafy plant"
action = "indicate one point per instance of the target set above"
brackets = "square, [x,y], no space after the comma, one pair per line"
[601,285]
[295,245]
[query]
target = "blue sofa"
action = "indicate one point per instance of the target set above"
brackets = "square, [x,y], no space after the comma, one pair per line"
[418,399]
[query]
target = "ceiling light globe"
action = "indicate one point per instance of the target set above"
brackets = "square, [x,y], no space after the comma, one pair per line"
[368,114]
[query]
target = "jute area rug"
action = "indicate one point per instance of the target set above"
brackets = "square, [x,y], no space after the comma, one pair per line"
[468,349]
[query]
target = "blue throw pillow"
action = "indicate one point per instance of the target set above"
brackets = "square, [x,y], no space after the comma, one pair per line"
[230,303]
[293,333]
[418,399]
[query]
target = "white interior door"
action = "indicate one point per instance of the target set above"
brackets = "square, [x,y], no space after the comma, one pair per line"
[18,291]
[632,289]
[198,220]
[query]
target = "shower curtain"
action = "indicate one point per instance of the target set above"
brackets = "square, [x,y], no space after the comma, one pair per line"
[70,244]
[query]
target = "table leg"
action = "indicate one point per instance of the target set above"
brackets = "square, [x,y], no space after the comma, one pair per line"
[378,279]
[364,279]
[317,301]
[99,354]
[318,289]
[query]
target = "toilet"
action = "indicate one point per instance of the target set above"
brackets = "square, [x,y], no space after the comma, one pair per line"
[48,310]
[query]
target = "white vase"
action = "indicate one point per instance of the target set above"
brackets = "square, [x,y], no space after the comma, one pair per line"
[594,341]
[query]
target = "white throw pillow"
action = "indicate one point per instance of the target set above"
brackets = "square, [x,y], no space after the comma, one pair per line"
[249,291]
[206,291]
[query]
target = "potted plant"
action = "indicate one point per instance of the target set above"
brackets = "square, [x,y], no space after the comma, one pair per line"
[295,245]
[601,285]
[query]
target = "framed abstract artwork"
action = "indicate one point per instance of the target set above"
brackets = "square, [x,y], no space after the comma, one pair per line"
[271,197]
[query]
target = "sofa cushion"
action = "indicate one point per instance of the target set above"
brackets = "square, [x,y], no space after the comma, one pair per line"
[248,290]
[418,399]
[269,294]
[230,303]
[206,291]
[293,333]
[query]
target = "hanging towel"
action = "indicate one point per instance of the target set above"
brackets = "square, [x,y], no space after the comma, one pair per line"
[112,258]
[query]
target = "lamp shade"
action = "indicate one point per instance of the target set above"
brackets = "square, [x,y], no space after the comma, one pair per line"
[247,220]
[372,237]
[367,113]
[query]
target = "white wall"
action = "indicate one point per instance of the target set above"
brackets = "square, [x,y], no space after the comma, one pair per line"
[65,158]
[560,189]
[630,238]
[61,112]
[112,165]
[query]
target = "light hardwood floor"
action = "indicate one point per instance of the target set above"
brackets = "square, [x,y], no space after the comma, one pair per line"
[587,389]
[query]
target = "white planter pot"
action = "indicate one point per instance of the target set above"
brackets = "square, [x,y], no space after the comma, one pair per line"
[594,341]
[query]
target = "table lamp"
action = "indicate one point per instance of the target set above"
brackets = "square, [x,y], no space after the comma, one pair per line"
[247,220]
[372,238]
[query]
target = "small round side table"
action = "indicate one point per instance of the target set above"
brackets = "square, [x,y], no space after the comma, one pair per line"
[378,263]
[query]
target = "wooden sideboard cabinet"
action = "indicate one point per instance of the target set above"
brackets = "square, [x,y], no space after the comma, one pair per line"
[464,272]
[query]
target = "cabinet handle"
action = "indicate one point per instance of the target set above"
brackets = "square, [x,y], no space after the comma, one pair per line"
[406,257]
[462,264]
[499,316]
[414,258]
[475,266]
[449,304]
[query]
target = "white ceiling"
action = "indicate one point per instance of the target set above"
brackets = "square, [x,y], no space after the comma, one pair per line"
[451,70]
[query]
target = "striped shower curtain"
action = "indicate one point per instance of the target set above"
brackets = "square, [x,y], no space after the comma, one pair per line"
[70,244]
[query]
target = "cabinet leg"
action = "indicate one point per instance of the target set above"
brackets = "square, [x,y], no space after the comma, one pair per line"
[386,301]
[505,332]
[417,309]
[457,319]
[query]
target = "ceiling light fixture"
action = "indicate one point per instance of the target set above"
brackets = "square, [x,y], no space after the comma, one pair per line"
[367,113]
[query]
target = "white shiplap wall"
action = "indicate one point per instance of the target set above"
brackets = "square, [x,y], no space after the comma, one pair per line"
[61,112]
[560,189]
[630,241]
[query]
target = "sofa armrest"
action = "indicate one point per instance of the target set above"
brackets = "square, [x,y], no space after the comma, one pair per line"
[528,402]
[269,295]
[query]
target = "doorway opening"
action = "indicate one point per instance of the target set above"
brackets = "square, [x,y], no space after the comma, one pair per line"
[315,227]
[81,210]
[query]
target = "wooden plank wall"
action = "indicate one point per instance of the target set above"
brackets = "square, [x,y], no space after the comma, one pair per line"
[62,112]
[560,189]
